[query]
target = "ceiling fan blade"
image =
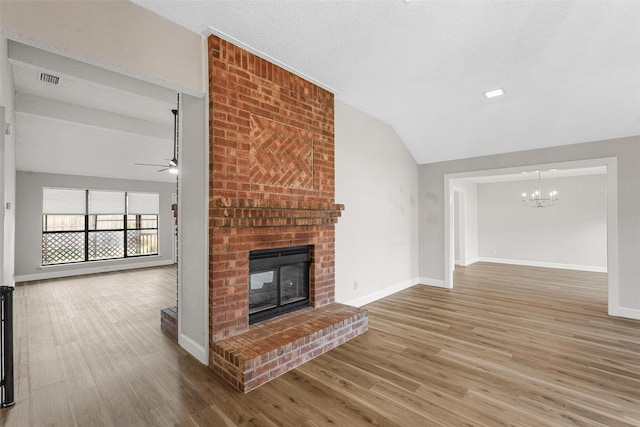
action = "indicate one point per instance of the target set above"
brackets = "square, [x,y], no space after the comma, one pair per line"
[150,164]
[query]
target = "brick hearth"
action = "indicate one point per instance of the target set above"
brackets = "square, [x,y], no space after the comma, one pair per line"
[276,346]
[271,186]
[169,322]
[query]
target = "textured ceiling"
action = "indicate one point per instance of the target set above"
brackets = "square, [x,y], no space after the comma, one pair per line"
[570,70]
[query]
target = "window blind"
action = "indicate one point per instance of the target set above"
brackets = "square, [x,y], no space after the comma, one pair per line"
[143,203]
[106,202]
[64,201]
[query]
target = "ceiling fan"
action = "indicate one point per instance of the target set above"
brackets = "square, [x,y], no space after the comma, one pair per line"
[172,165]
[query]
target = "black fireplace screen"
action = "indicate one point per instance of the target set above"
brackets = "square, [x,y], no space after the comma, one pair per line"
[278,282]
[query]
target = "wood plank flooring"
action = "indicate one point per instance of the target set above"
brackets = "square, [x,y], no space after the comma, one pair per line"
[509,345]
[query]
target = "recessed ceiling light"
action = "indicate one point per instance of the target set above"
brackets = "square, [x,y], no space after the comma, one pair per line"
[494,93]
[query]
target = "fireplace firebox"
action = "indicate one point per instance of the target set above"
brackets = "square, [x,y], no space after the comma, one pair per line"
[278,281]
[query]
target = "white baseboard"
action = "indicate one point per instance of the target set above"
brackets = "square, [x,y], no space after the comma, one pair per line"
[193,348]
[374,296]
[629,313]
[54,274]
[593,268]
[468,262]
[438,283]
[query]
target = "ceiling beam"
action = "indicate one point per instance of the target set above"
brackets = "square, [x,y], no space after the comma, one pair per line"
[22,54]
[46,107]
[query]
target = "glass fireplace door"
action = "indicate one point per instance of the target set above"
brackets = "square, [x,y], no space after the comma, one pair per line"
[263,291]
[278,281]
[293,283]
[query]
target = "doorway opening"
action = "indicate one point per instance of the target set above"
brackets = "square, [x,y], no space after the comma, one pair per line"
[81,127]
[459,227]
[453,193]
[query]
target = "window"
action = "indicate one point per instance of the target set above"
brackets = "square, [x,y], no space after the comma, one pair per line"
[142,224]
[92,225]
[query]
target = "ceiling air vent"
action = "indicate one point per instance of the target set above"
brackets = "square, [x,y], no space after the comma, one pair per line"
[48,78]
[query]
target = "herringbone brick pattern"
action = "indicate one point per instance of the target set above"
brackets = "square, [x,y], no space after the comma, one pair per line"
[280,155]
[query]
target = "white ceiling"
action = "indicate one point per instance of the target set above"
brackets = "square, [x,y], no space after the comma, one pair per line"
[570,70]
[50,145]
[90,94]
[93,123]
[533,175]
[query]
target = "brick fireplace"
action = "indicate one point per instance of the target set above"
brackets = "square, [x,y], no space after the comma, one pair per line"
[271,186]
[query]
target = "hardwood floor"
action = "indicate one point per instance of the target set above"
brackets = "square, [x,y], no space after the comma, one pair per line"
[508,346]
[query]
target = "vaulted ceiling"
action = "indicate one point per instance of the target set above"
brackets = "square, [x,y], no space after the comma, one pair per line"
[570,70]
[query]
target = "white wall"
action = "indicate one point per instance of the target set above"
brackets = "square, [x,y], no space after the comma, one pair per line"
[376,237]
[469,191]
[29,224]
[193,253]
[570,234]
[459,249]
[7,170]
[116,35]
[626,302]
[2,205]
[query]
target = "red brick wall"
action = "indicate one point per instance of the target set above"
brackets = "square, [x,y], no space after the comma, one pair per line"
[271,163]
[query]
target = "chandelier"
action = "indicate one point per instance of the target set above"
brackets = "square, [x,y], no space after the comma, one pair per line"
[537,200]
